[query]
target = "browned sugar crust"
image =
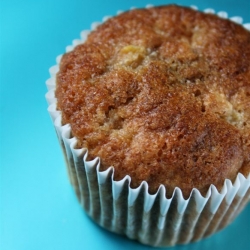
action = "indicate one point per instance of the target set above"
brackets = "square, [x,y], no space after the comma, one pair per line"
[163,95]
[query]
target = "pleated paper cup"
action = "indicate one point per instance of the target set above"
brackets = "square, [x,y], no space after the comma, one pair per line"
[152,219]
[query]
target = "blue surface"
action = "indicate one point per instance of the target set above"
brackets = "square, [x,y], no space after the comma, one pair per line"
[38,209]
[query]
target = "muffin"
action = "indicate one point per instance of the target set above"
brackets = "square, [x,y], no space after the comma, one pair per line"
[153,115]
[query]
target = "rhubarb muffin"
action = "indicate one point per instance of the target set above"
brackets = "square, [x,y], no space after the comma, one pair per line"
[161,95]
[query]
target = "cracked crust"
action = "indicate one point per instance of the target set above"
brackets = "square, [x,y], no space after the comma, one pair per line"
[163,95]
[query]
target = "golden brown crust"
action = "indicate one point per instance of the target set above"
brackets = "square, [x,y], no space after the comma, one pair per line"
[163,95]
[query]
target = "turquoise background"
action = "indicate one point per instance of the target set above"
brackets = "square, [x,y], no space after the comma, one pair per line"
[38,209]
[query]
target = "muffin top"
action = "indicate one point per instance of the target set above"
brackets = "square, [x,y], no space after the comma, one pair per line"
[162,95]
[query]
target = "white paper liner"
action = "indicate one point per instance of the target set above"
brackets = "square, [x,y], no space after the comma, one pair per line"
[151,219]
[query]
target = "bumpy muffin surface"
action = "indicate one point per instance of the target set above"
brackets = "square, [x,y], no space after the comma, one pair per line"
[162,95]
